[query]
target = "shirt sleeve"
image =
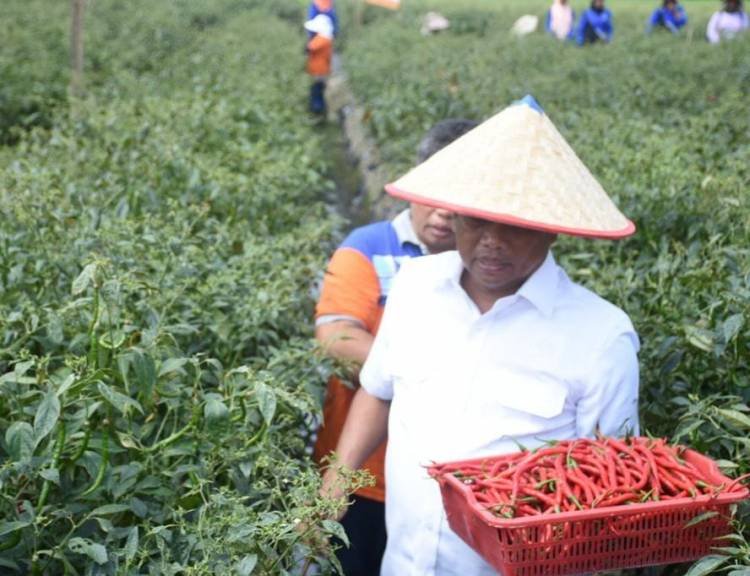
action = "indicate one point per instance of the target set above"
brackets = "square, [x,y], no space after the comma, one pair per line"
[350,289]
[610,404]
[654,20]
[712,32]
[581,31]
[682,17]
[377,373]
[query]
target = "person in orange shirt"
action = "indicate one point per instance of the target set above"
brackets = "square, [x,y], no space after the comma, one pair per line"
[319,55]
[354,291]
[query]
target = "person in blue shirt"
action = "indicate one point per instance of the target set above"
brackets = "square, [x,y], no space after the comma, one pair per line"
[595,25]
[560,21]
[324,7]
[671,16]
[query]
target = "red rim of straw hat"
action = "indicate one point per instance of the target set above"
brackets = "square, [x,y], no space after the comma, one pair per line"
[512,220]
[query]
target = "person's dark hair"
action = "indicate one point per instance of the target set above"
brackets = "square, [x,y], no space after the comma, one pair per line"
[442,134]
[668,2]
[737,4]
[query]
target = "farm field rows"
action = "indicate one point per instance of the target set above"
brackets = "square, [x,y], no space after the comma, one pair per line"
[159,243]
[161,240]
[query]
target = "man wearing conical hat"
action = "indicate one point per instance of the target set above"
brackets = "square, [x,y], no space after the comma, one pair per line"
[491,346]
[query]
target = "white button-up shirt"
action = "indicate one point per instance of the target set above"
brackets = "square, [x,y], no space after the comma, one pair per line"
[552,361]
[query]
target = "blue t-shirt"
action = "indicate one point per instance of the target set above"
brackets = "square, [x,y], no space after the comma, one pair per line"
[667,19]
[594,26]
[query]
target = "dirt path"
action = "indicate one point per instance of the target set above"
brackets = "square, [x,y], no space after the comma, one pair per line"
[357,170]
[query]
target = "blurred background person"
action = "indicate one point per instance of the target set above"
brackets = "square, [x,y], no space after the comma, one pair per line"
[319,55]
[324,7]
[728,22]
[671,16]
[561,20]
[595,25]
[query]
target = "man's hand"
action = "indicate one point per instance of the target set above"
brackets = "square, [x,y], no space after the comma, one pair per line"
[338,483]
[365,429]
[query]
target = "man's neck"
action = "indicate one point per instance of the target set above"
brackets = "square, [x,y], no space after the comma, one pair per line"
[483,298]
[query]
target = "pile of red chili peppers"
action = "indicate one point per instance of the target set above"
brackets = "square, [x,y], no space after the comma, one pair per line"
[581,474]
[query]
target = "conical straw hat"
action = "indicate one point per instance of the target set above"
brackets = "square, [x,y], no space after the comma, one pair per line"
[516,168]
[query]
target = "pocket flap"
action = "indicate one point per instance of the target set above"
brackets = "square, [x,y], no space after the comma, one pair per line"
[530,392]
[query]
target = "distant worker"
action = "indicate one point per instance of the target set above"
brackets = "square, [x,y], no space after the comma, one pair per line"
[319,55]
[727,23]
[671,16]
[561,20]
[595,25]
[324,7]
[355,289]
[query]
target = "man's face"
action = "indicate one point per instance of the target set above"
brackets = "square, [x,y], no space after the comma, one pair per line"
[598,4]
[498,258]
[433,227]
[732,6]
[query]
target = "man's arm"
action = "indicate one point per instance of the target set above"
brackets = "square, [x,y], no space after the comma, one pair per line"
[348,306]
[365,429]
[345,340]
[610,405]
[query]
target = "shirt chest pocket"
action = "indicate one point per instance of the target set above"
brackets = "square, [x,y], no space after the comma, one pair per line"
[513,403]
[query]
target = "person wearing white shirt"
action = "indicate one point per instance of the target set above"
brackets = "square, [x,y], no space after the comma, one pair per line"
[511,351]
[727,23]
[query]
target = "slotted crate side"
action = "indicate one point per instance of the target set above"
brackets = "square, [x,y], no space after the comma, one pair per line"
[625,539]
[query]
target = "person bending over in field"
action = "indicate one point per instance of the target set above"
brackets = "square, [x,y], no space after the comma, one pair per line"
[319,55]
[493,346]
[595,25]
[728,22]
[671,16]
[561,20]
[355,289]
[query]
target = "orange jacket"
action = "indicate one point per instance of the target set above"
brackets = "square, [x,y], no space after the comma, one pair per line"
[319,54]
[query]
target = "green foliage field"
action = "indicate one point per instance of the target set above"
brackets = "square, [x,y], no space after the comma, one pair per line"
[160,240]
[663,123]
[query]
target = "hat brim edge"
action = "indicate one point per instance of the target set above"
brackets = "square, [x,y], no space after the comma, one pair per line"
[628,230]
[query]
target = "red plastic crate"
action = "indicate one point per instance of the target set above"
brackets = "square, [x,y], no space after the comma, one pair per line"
[586,541]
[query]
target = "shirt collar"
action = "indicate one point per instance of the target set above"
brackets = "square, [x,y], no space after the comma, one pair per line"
[540,289]
[405,231]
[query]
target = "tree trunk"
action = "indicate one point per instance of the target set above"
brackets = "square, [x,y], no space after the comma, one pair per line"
[76,46]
